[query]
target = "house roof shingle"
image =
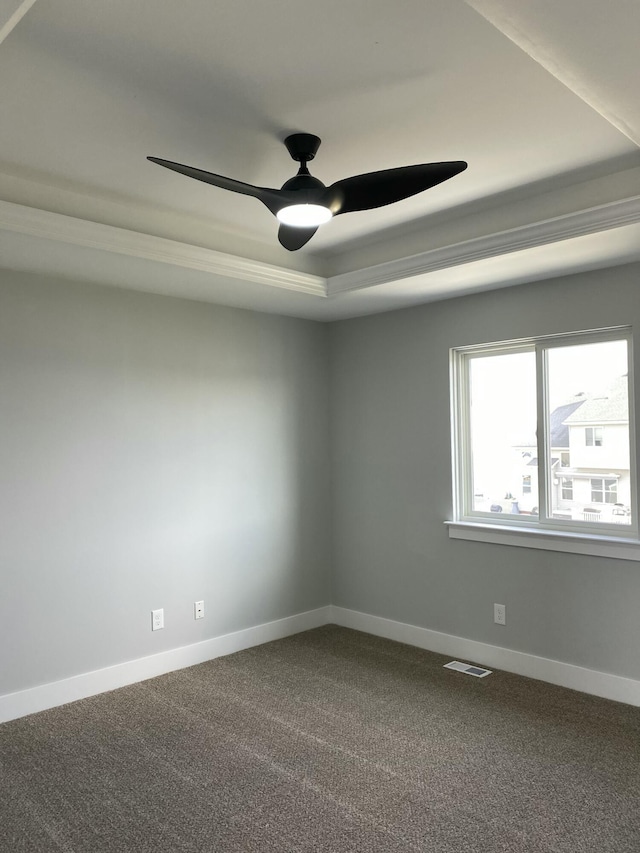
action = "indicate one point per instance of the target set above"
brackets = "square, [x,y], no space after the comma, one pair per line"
[609,407]
[559,431]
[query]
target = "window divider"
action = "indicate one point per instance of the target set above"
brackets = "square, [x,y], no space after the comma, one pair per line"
[544,453]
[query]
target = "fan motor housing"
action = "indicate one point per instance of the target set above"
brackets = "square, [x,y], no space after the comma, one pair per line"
[303,182]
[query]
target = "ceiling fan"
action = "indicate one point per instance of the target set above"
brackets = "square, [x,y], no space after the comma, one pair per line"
[304,203]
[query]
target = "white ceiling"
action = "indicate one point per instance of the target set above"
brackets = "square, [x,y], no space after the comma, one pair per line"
[539,96]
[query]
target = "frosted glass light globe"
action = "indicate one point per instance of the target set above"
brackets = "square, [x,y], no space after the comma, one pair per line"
[304,215]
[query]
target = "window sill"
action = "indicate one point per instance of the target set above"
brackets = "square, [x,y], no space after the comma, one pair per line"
[546,540]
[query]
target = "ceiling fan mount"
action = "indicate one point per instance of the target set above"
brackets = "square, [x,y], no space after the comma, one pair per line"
[303,202]
[302,146]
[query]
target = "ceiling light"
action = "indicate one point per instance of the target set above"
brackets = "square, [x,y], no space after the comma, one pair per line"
[304,215]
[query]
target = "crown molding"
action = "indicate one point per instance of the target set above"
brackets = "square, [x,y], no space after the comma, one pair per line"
[568,226]
[58,227]
[94,235]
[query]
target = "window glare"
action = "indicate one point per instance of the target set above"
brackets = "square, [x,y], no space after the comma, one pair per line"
[588,430]
[500,424]
[584,368]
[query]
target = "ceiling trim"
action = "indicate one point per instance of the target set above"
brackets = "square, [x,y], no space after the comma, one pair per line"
[94,235]
[579,71]
[11,22]
[58,227]
[601,218]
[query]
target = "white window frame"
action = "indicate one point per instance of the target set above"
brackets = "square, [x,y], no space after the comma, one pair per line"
[542,531]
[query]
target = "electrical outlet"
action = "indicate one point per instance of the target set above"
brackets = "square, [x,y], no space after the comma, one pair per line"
[157,619]
[500,614]
[198,609]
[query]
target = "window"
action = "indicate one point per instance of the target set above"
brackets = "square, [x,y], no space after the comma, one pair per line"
[567,489]
[521,410]
[593,436]
[604,490]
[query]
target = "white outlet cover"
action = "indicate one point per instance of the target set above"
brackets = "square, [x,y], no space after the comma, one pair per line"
[157,619]
[198,609]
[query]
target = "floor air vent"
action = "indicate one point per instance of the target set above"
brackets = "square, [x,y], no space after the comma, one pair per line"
[478,671]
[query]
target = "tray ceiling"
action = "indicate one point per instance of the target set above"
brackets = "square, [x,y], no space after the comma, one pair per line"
[538,97]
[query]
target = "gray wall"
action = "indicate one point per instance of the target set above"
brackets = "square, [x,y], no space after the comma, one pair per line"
[392,482]
[153,451]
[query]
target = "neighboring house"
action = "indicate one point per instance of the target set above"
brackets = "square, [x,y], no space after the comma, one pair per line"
[589,458]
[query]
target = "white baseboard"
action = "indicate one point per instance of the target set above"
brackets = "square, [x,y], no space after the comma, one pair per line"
[23,702]
[591,681]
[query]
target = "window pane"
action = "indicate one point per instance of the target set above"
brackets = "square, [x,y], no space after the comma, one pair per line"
[567,489]
[504,464]
[597,491]
[588,432]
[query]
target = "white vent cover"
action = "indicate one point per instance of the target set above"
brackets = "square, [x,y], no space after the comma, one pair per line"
[478,671]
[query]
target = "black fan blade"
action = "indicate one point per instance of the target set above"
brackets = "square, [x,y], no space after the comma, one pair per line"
[375,189]
[273,199]
[295,238]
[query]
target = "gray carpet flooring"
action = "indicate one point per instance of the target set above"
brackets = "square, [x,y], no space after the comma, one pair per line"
[331,740]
